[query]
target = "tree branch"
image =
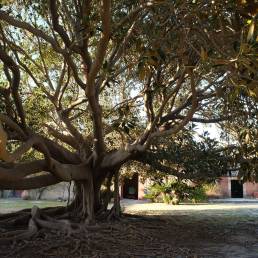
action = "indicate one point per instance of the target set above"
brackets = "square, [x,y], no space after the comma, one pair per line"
[151,126]
[91,89]
[55,22]
[68,139]
[189,115]
[203,120]
[9,122]
[69,172]
[8,61]
[15,172]
[59,153]
[39,33]
[30,183]
[26,26]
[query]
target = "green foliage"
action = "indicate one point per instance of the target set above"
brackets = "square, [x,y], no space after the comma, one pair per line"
[37,108]
[159,191]
[217,39]
[198,194]
[175,191]
[185,157]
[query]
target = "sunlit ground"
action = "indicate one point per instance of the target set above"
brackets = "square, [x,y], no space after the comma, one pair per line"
[10,205]
[219,209]
[132,206]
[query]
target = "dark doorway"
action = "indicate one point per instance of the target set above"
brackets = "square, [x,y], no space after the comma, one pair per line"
[130,187]
[236,188]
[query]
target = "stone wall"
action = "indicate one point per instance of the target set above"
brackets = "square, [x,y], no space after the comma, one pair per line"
[57,192]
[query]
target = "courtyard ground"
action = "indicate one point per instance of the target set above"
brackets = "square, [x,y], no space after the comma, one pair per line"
[15,204]
[208,230]
[216,230]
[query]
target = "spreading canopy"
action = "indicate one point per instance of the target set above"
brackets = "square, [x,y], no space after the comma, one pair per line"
[90,85]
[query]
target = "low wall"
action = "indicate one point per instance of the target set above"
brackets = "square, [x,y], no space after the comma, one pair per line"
[57,192]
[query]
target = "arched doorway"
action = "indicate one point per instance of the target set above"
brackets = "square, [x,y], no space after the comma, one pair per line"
[130,187]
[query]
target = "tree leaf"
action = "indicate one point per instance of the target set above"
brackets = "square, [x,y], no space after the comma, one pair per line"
[204,55]
[250,31]
[141,74]
[247,138]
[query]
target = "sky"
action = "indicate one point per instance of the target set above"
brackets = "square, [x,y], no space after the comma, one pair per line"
[213,130]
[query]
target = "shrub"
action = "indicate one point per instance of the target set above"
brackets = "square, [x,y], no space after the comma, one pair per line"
[158,192]
[174,192]
[198,194]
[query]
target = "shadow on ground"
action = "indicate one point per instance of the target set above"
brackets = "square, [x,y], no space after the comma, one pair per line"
[155,230]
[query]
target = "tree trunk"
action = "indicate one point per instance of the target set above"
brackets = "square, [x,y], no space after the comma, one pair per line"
[82,206]
[87,205]
[117,208]
[88,200]
[91,201]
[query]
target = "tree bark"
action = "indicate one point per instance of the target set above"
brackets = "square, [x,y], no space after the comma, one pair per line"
[117,208]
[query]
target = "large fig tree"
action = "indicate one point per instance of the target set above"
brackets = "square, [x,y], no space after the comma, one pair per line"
[89,85]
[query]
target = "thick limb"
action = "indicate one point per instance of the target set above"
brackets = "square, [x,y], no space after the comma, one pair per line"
[29,183]
[11,157]
[6,156]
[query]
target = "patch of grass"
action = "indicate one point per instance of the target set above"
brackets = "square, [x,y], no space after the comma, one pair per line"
[9,205]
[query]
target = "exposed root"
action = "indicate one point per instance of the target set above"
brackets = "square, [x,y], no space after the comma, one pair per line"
[13,214]
[21,218]
[114,213]
[65,226]
[128,238]
[23,234]
[26,224]
[37,220]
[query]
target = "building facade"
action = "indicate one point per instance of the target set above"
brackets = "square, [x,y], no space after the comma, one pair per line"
[225,187]
[232,187]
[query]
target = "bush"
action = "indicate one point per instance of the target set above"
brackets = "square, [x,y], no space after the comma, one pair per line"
[198,194]
[150,197]
[159,192]
[175,192]
[166,197]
